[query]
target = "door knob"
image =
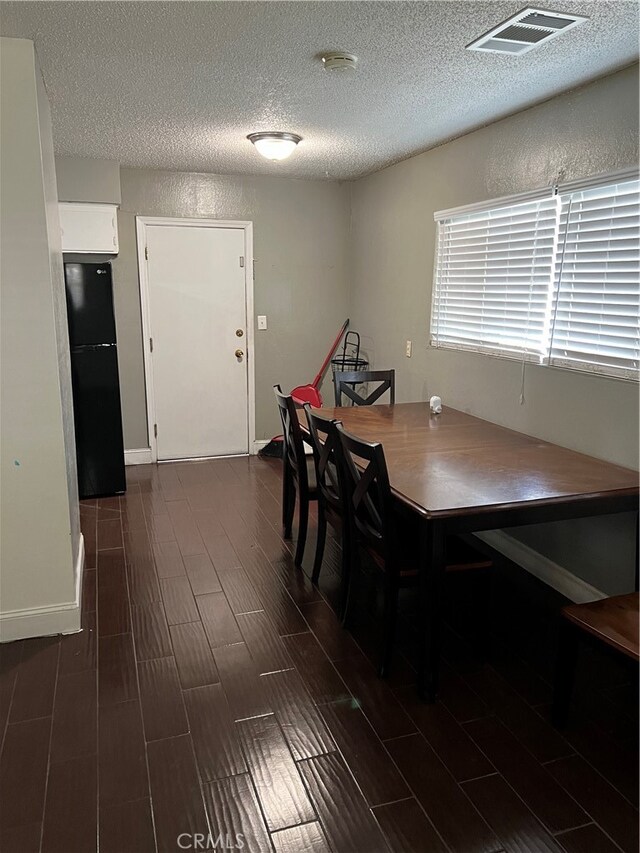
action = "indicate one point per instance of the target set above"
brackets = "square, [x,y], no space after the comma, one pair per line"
[239,353]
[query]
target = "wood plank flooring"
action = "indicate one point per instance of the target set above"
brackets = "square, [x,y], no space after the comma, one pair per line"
[213,691]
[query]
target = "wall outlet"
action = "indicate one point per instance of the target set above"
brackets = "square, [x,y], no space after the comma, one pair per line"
[262,321]
[408,349]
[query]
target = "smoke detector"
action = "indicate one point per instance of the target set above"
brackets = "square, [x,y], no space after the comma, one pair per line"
[526,30]
[339,61]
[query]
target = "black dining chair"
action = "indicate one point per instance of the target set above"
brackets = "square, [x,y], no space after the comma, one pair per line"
[298,474]
[345,382]
[327,450]
[384,536]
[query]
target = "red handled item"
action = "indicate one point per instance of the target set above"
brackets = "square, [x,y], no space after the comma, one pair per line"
[310,393]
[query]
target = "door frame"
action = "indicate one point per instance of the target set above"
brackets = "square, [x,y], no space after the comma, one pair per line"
[142,222]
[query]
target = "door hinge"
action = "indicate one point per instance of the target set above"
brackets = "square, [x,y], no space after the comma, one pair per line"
[242,260]
[155,430]
[150,344]
[146,253]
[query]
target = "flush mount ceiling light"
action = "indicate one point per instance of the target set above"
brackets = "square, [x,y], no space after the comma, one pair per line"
[525,31]
[275,145]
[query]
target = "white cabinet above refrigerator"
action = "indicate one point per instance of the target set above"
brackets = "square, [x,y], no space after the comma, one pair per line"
[89,228]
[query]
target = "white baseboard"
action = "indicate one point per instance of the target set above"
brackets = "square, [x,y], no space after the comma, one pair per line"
[258,445]
[140,456]
[557,577]
[45,621]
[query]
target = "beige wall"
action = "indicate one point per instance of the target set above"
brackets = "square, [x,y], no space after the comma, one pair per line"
[39,505]
[301,234]
[88,180]
[582,133]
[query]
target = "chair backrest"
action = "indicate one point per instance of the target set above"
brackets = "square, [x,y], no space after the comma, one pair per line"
[294,455]
[327,450]
[368,493]
[344,382]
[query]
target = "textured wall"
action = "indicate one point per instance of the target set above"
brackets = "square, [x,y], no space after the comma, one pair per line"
[582,133]
[301,234]
[40,534]
[81,179]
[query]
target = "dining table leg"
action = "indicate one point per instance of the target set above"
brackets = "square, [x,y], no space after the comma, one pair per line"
[432,568]
[636,585]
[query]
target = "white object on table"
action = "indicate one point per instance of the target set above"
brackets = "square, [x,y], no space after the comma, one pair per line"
[435,404]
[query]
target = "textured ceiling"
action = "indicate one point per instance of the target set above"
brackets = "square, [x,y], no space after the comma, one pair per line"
[179,85]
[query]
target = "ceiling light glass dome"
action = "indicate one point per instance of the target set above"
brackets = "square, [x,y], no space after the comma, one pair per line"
[274,145]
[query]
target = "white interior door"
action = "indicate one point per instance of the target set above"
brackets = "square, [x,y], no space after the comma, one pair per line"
[196,306]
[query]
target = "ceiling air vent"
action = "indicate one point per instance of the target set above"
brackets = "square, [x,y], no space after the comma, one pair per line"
[526,30]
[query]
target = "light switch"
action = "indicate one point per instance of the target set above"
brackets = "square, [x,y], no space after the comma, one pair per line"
[408,349]
[262,321]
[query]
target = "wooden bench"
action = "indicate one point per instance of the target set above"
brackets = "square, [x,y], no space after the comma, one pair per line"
[613,621]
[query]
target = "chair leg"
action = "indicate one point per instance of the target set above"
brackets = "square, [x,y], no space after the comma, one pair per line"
[303,522]
[288,503]
[565,673]
[285,491]
[482,630]
[389,628]
[349,585]
[320,542]
[345,576]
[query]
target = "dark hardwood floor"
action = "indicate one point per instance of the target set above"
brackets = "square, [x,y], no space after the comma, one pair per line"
[212,690]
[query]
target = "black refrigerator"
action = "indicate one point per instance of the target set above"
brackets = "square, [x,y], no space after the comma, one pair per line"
[94,374]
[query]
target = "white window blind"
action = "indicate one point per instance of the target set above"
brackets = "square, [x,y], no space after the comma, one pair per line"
[597,271]
[552,279]
[493,270]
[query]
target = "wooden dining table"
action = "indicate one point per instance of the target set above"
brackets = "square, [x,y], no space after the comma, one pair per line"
[461,474]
